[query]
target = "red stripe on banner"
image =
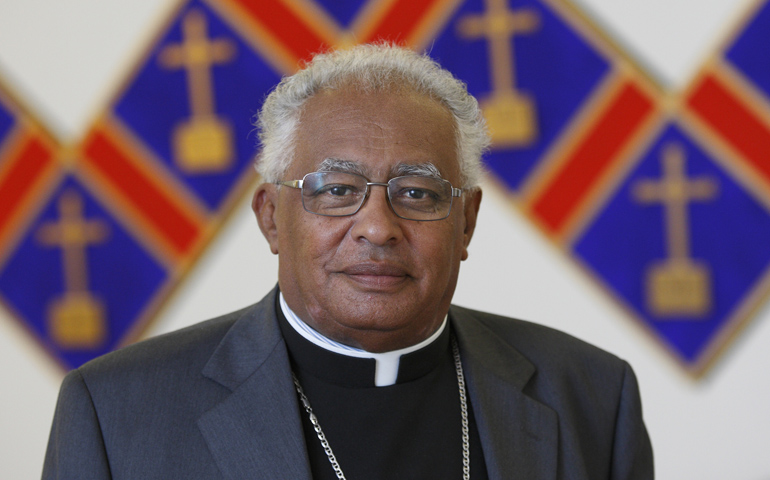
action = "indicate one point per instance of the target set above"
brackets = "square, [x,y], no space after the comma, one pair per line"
[25,169]
[152,203]
[591,157]
[735,122]
[400,20]
[284,24]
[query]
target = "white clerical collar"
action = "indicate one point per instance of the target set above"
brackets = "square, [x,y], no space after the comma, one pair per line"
[386,364]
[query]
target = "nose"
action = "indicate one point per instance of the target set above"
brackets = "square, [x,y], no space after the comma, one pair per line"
[375,222]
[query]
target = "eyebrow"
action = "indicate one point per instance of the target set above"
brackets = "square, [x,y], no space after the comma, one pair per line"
[426,169]
[338,165]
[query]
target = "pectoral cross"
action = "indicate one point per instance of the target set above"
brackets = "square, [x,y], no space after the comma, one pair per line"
[678,286]
[510,114]
[203,143]
[77,319]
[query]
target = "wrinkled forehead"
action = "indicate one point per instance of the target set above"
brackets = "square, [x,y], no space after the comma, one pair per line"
[376,134]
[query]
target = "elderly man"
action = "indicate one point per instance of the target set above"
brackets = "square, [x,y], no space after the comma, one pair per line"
[356,365]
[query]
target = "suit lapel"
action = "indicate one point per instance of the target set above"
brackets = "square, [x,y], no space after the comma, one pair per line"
[256,431]
[519,435]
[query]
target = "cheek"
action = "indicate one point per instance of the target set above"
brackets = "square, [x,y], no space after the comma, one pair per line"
[316,238]
[439,250]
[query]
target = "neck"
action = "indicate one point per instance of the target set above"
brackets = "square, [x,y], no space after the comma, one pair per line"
[387,363]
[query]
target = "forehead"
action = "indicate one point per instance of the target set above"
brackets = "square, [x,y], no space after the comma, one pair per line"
[377,130]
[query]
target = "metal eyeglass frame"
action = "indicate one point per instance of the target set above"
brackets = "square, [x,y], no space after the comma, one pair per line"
[456,192]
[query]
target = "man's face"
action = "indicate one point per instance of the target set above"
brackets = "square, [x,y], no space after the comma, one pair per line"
[371,280]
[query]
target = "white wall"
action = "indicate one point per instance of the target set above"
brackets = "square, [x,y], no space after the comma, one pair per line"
[65,57]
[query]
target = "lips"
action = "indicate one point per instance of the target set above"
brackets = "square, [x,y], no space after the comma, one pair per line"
[376,275]
[377,269]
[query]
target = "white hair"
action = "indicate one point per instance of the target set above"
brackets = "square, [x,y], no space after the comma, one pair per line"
[370,67]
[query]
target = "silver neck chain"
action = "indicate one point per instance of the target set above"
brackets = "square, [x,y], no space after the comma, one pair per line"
[463,411]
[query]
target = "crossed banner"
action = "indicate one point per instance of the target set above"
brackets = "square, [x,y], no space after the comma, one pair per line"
[662,198]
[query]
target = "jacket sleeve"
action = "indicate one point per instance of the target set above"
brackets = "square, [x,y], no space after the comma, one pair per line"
[76,447]
[632,451]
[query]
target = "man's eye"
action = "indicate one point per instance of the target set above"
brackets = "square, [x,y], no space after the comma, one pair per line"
[337,190]
[417,194]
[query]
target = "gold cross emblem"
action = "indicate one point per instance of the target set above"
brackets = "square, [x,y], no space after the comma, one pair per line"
[510,114]
[678,285]
[77,319]
[203,143]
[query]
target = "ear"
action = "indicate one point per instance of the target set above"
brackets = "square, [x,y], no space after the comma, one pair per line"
[264,204]
[471,204]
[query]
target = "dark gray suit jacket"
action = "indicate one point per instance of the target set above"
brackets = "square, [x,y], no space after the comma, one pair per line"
[216,400]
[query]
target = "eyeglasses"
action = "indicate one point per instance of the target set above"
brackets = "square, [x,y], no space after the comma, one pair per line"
[338,194]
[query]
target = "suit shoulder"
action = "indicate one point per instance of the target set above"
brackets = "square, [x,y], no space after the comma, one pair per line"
[593,394]
[187,348]
[544,346]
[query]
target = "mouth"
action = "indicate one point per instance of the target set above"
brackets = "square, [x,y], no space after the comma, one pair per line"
[376,276]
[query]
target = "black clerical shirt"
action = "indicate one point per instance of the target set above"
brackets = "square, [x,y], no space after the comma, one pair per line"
[409,430]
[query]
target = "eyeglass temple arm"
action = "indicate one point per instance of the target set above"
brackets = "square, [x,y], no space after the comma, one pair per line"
[457,192]
[291,183]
